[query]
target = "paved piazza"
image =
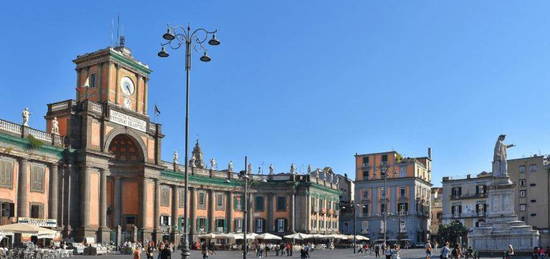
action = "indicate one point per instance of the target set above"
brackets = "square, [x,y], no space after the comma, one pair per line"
[321,254]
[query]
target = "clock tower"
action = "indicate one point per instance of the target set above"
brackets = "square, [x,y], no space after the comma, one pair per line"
[113,76]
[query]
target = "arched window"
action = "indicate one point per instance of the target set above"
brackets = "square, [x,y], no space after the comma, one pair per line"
[125,148]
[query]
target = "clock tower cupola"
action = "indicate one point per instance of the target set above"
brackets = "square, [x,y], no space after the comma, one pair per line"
[113,76]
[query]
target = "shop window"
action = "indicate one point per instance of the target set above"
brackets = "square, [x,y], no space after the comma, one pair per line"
[201,224]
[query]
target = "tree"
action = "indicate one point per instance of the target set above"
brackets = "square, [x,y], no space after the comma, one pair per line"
[452,232]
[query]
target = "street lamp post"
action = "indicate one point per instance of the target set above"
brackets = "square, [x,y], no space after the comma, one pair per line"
[177,36]
[244,176]
[354,206]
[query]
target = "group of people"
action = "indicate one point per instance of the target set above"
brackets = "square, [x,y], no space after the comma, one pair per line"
[541,253]
[457,252]
[164,250]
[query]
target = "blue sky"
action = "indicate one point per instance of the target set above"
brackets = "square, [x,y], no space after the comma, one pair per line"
[310,82]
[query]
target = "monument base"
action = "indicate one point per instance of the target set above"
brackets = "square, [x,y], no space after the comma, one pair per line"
[502,227]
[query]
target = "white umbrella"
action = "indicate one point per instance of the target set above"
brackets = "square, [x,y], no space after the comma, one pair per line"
[298,236]
[248,236]
[23,228]
[268,236]
[361,238]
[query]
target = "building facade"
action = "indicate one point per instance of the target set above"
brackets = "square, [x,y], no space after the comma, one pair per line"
[405,192]
[347,199]
[465,200]
[97,170]
[436,211]
[532,186]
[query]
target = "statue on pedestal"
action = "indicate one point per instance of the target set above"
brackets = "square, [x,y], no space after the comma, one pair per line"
[271,169]
[230,166]
[249,171]
[500,168]
[55,126]
[213,164]
[292,168]
[175,158]
[26,114]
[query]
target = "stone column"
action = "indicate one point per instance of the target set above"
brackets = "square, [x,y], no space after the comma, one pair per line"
[292,213]
[22,202]
[229,210]
[85,196]
[211,209]
[143,203]
[104,234]
[117,207]
[270,226]
[192,215]
[68,206]
[157,206]
[174,207]
[103,199]
[54,192]
[175,233]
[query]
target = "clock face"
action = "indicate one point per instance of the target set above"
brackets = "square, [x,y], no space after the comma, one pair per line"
[127,86]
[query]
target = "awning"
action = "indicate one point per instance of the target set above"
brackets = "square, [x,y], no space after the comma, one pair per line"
[248,236]
[267,236]
[298,236]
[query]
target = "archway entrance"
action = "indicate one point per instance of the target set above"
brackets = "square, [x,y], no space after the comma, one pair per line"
[126,167]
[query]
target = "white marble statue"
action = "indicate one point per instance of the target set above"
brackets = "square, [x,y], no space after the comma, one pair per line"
[249,171]
[500,168]
[292,168]
[55,126]
[26,114]
[271,169]
[213,163]
[230,166]
[175,158]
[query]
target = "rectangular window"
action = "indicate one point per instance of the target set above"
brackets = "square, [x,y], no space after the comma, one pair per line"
[202,200]
[281,225]
[382,208]
[220,225]
[402,192]
[36,211]
[384,159]
[165,220]
[37,178]
[523,193]
[281,203]
[238,206]
[7,209]
[219,201]
[259,203]
[533,214]
[366,210]
[532,168]
[6,174]
[130,220]
[365,161]
[164,196]
[260,225]
[522,207]
[403,171]
[201,224]
[522,169]
[92,80]
[533,201]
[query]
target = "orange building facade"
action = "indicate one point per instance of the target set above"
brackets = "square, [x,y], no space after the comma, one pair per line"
[97,171]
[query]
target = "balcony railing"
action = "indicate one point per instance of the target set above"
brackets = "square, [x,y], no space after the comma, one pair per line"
[468,196]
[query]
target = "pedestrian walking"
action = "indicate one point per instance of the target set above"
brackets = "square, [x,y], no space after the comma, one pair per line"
[428,250]
[150,250]
[205,251]
[445,251]
[377,251]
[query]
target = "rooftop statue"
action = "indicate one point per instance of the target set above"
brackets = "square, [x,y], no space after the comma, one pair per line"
[500,156]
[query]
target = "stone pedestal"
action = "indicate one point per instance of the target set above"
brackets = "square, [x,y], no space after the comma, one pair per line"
[502,226]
